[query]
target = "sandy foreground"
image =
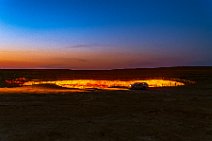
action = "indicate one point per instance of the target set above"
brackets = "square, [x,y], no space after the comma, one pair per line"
[158,114]
[153,115]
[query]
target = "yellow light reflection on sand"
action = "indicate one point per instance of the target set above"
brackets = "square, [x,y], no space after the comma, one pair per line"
[103,84]
[37,90]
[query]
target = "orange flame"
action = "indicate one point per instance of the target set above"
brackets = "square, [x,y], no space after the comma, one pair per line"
[83,84]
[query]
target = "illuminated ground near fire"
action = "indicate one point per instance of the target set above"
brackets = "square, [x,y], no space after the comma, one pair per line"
[102,84]
[83,85]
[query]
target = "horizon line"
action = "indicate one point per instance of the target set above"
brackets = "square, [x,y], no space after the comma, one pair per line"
[189,66]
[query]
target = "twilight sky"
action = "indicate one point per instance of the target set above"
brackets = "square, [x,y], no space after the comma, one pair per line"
[105,34]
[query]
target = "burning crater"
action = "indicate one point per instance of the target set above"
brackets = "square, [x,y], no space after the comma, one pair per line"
[105,84]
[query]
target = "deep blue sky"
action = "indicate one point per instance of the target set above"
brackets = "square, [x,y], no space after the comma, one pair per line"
[105,34]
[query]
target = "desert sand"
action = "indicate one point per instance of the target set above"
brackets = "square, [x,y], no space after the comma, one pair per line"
[158,114]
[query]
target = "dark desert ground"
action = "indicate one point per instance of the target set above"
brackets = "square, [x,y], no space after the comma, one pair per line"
[158,114]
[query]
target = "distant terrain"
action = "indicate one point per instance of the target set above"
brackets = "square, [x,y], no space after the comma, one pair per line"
[194,73]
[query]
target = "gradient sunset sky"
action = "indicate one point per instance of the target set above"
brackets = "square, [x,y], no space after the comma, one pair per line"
[105,34]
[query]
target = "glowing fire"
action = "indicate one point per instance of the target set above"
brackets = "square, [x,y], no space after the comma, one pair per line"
[83,84]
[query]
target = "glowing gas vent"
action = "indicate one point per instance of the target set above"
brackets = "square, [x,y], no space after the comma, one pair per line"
[83,84]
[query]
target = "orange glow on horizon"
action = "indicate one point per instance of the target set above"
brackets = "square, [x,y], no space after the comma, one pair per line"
[74,58]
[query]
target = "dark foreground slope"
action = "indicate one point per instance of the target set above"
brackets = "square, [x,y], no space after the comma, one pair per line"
[159,114]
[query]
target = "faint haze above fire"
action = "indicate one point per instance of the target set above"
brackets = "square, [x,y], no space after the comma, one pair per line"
[105,34]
